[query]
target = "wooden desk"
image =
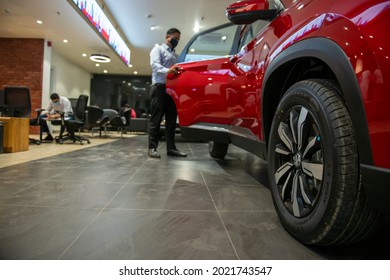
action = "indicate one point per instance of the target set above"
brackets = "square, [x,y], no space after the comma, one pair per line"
[15,134]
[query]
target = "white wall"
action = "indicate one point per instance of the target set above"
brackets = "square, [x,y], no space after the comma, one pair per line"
[46,74]
[68,79]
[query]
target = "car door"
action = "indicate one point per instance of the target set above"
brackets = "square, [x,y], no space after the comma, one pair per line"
[206,72]
[244,89]
[218,83]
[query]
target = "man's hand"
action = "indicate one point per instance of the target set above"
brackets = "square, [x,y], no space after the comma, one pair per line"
[53,116]
[174,70]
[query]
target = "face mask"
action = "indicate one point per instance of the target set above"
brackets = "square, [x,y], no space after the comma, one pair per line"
[174,43]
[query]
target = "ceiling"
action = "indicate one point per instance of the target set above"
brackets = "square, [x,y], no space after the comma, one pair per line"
[133,19]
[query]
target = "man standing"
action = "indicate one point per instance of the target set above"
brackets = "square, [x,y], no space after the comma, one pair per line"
[162,59]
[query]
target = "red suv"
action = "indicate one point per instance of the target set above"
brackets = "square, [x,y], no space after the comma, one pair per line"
[304,84]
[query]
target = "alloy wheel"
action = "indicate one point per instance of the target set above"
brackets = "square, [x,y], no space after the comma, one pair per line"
[299,161]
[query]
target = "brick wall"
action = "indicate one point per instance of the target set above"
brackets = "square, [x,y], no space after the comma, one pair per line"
[21,64]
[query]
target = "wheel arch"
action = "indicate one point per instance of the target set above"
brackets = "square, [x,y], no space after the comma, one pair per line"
[318,58]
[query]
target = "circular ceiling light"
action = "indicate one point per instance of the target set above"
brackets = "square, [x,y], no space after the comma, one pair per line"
[100,58]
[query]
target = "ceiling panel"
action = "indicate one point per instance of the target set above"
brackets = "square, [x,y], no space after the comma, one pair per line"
[133,19]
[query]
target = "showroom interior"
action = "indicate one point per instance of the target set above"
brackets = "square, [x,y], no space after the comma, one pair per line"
[108,199]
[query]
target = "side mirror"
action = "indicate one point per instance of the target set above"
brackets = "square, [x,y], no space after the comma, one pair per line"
[248,11]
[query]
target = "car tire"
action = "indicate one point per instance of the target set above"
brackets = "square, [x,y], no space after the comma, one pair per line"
[314,167]
[218,150]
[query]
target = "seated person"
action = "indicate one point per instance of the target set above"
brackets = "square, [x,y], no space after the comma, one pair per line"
[125,107]
[138,110]
[57,105]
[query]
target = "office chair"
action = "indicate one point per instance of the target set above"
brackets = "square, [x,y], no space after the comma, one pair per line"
[77,123]
[73,101]
[109,113]
[17,102]
[95,119]
[121,122]
[35,122]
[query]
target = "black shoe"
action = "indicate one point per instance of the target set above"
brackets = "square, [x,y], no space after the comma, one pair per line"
[48,138]
[154,153]
[176,153]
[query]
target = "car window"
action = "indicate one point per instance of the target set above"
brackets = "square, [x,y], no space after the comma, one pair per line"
[251,31]
[212,44]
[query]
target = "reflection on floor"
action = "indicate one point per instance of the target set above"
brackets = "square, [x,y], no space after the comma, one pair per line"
[50,149]
[110,201]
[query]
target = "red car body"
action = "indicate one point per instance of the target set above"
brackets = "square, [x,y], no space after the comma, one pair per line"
[234,99]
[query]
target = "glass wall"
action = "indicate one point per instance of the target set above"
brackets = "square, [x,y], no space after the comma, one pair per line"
[114,91]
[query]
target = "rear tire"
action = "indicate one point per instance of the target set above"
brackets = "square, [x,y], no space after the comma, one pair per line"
[314,168]
[218,150]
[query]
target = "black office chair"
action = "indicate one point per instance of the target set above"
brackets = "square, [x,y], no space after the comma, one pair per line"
[121,122]
[17,102]
[95,119]
[35,122]
[77,123]
[109,113]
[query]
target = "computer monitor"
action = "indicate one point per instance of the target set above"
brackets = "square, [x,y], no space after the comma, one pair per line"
[17,102]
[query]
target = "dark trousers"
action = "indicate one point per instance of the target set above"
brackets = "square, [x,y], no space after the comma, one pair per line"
[161,104]
[44,128]
[42,120]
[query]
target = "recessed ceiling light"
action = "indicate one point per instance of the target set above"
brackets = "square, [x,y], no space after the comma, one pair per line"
[84,54]
[65,41]
[97,64]
[196,28]
[105,71]
[153,27]
[39,21]
[135,72]
[100,58]
[130,65]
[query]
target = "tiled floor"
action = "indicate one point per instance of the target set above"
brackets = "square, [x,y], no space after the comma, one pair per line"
[51,149]
[110,201]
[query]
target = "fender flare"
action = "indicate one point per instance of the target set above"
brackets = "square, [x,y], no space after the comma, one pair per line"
[336,59]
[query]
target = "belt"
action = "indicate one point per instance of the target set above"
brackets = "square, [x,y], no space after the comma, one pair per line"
[159,85]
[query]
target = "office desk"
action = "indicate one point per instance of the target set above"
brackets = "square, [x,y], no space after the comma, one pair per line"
[15,134]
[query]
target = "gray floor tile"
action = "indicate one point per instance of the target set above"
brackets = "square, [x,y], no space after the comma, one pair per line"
[259,236]
[96,174]
[167,175]
[13,186]
[234,197]
[82,195]
[30,233]
[183,195]
[153,235]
